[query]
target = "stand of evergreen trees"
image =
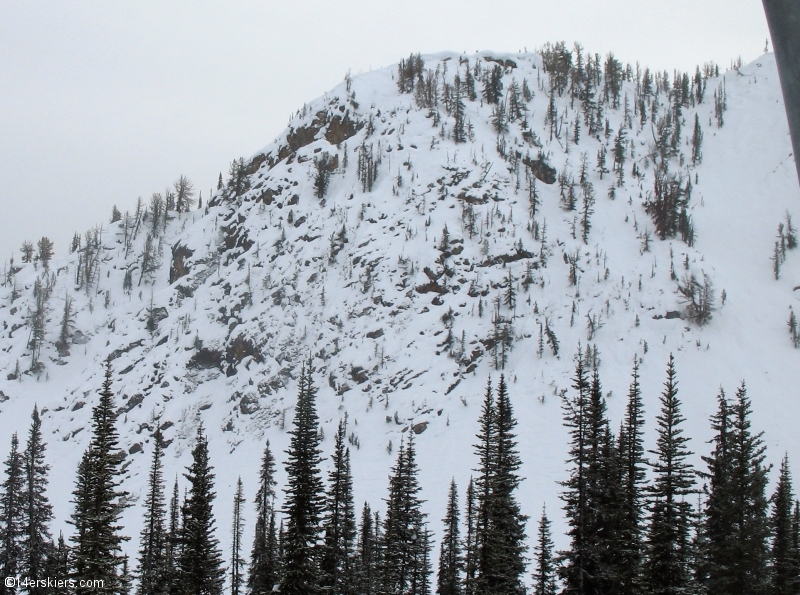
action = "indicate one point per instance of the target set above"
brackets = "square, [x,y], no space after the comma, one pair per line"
[639,522]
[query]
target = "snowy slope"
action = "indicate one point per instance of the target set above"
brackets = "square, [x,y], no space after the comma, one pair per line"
[270,275]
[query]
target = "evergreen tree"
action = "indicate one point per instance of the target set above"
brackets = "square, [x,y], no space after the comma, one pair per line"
[304,496]
[470,540]
[67,323]
[697,142]
[717,517]
[57,566]
[485,449]
[150,262]
[784,578]
[459,128]
[493,85]
[573,564]
[750,505]
[544,579]
[340,521]
[173,545]
[237,562]
[156,212]
[751,473]
[368,553]
[200,562]
[631,447]
[404,538]
[667,564]
[791,233]
[503,551]
[27,252]
[604,493]
[152,549]
[736,511]
[37,546]
[796,541]
[322,176]
[125,578]
[12,522]
[587,211]
[45,246]
[451,563]
[99,502]
[263,571]
[421,569]
[499,118]
[184,194]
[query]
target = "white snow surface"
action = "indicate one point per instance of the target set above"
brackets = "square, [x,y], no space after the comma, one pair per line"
[375,342]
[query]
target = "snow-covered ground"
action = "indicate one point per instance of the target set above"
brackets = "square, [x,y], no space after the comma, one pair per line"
[270,282]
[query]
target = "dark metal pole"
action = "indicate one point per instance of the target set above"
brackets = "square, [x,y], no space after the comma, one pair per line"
[783,18]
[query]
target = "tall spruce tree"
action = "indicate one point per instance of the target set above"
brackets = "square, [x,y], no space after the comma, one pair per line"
[784,578]
[544,576]
[504,547]
[422,569]
[97,553]
[736,511]
[152,567]
[630,547]
[200,563]
[796,541]
[237,561]
[451,562]
[263,570]
[667,564]
[477,563]
[37,544]
[405,534]
[173,544]
[12,522]
[717,517]
[339,524]
[608,500]
[58,566]
[574,563]
[470,540]
[304,496]
[598,529]
[367,554]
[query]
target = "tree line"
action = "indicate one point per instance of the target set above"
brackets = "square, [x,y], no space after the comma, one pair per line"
[638,522]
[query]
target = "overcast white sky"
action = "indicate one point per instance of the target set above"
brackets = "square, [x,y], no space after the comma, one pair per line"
[101,102]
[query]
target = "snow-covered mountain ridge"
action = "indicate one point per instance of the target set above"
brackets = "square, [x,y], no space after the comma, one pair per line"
[329,245]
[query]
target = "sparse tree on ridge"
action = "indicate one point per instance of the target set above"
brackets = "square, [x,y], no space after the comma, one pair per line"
[184,194]
[27,252]
[45,247]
